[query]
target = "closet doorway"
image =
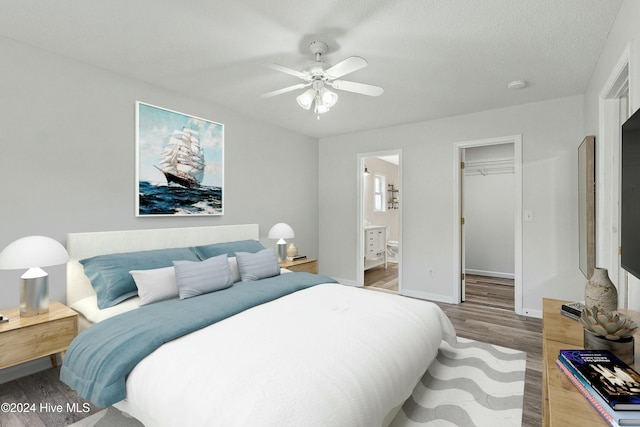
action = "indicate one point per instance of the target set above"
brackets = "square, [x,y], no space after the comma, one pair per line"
[379,225]
[489,223]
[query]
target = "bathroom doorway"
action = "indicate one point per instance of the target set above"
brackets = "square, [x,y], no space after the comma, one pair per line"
[379,221]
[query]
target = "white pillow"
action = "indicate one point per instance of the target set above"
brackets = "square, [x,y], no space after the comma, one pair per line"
[196,278]
[155,285]
[235,272]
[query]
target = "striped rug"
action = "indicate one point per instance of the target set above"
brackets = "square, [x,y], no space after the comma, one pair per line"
[471,384]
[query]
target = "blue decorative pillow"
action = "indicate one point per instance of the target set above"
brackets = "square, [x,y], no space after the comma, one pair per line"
[229,248]
[202,277]
[259,265]
[110,277]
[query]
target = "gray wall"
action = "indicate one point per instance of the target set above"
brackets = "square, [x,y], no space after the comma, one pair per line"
[67,161]
[551,131]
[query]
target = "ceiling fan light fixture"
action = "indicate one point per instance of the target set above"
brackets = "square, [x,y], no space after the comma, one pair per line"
[329,98]
[306,99]
[320,107]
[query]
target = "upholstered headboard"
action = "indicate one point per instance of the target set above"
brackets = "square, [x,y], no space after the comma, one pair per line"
[85,245]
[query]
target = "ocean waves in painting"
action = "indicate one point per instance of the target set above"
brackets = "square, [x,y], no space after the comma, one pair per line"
[165,199]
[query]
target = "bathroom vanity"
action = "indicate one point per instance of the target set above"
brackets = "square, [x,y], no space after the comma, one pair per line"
[375,246]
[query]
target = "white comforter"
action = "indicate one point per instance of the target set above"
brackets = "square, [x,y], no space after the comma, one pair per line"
[330,355]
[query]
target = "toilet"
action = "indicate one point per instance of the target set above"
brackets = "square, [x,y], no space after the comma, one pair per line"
[392,250]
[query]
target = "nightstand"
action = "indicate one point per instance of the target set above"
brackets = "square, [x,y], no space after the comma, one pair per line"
[301,265]
[28,338]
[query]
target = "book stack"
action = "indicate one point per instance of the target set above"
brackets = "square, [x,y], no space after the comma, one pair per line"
[572,310]
[610,385]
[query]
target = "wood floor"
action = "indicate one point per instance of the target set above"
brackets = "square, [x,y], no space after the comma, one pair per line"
[382,278]
[44,393]
[472,319]
[490,291]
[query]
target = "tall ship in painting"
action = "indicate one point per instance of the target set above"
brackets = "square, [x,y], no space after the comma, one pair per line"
[182,161]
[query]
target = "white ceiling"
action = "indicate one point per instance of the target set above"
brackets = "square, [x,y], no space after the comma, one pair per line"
[434,58]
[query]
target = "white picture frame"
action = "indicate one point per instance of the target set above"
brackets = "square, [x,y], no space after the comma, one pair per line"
[179,164]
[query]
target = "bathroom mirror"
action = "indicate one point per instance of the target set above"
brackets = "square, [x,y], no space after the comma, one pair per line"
[587,205]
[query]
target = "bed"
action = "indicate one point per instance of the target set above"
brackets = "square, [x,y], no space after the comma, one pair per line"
[288,349]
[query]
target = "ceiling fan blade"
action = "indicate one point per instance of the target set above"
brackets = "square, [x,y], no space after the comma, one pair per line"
[288,70]
[349,65]
[360,88]
[284,90]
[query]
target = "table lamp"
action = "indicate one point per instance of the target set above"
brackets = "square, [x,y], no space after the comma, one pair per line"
[281,231]
[33,252]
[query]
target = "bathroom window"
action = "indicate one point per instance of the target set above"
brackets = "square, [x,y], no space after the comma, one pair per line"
[379,192]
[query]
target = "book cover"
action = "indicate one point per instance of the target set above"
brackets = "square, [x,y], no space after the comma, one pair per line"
[574,308]
[610,377]
[570,315]
[599,405]
[613,417]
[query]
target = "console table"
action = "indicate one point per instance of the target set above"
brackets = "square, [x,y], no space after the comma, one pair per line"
[562,403]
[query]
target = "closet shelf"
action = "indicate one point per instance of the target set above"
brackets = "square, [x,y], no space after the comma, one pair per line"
[487,167]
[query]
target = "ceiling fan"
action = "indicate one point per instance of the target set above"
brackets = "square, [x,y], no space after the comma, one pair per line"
[317,77]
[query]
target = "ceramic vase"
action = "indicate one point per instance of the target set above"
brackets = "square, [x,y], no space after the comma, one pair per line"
[292,250]
[624,349]
[600,291]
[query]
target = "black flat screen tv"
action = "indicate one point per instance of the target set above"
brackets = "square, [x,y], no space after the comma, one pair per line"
[630,192]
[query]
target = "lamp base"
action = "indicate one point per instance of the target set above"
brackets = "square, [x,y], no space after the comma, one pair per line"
[34,296]
[282,252]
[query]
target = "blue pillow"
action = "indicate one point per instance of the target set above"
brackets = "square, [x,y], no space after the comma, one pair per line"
[202,277]
[229,248]
[110,277]
[259,265]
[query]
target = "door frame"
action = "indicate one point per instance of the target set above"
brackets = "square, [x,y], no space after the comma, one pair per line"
[458,246]
[623,79]
[361,157]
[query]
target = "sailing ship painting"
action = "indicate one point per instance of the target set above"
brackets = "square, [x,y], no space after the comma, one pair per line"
[180,163]
[182,160]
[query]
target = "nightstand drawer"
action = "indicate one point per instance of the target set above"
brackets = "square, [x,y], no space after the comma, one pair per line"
[28,338]
[21,345]
[303,265]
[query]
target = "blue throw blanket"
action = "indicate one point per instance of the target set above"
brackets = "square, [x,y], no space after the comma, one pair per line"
[99,360]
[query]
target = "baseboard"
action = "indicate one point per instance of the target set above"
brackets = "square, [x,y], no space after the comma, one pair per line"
[408,293]
[532,313]
[24,369]
[348,282]
[490,273]
[427,296]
